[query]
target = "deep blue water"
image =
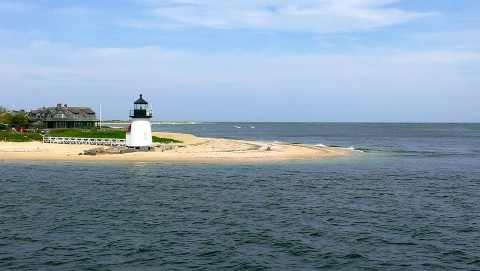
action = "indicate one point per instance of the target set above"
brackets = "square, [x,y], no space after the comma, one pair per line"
[409,201]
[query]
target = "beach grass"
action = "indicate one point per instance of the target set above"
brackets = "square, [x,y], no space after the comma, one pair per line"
[91,133]
[84,133]
[19,137]
[87,133]
[164,140]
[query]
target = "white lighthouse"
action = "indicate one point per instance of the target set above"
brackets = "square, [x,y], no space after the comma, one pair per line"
[139,132]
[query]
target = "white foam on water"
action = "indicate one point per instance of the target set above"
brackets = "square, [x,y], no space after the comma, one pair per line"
[351,148]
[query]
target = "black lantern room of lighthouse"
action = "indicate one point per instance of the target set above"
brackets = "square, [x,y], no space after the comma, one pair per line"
[140,109]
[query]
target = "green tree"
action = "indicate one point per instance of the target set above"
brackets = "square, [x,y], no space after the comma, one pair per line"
[3,113]
[16,120]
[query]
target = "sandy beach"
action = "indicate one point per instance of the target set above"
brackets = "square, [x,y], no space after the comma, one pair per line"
[192,150]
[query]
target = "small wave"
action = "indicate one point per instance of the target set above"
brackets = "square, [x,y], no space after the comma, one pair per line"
[353,256]
[358,149]
[351,148]
[365,150]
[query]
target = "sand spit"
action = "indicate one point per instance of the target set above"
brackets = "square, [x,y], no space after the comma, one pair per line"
[192,150]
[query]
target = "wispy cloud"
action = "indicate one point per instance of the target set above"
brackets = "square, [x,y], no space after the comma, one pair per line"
[302,58]
[325,16]
[301,83]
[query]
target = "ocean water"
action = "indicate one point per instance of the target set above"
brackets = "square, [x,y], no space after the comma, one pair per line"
[409,200]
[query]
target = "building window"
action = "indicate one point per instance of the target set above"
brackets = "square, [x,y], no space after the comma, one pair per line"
[76,115]
[60,115]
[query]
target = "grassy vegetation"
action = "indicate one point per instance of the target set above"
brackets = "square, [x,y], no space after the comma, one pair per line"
[103,134]
[19,137]
[89,133]
[164,140]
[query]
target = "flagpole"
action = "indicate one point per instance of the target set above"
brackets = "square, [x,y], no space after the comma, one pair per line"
[100,115]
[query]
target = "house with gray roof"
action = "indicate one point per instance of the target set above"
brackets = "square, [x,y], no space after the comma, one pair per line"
[64,117]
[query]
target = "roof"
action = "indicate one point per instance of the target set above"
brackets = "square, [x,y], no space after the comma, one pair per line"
[140,100]
[62,114]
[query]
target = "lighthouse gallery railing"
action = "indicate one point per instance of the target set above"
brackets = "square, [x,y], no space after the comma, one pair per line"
[84,141]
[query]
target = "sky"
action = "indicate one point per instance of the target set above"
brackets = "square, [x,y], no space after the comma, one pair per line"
[262,60]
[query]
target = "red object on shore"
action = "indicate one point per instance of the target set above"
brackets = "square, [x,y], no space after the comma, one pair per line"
[22,129]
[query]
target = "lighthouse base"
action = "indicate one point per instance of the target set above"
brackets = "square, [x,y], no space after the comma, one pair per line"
[144,148]
[141,148]
[139,134]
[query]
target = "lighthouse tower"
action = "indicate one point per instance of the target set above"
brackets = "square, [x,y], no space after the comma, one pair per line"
[139,133]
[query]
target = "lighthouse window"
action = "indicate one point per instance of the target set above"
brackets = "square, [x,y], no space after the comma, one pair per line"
[140,106]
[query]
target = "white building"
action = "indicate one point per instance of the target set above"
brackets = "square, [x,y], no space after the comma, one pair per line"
[139,132]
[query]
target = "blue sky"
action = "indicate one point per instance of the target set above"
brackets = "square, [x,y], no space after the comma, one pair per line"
[262,60]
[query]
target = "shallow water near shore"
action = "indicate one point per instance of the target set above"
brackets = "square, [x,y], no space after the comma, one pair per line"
[408,201]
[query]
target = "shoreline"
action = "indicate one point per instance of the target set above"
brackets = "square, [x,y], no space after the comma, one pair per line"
[192,150]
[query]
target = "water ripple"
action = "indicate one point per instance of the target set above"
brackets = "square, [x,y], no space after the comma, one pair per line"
[373,215]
